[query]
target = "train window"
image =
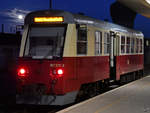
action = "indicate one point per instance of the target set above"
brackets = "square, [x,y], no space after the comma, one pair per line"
[123,44]
[128,46]
[141,46]
[82,41]
[98,42]
[45,42]
[132,45]
[137,45]
[106,43]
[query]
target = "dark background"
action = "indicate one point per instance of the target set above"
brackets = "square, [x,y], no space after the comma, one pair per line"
[100,9]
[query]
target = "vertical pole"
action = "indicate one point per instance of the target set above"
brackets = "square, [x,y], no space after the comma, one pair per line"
[112,35]
[50,4]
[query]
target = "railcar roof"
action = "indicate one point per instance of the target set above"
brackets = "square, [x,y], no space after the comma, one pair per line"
[81,19]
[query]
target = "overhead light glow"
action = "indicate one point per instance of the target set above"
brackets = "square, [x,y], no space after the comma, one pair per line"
[48,19]
[148,1]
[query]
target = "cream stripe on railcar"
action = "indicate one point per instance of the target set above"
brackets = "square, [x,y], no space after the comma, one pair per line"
[70,47]
[91,41]
[23,40]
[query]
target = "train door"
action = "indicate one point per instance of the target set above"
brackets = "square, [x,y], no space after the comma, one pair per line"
[113,53]
[81,51]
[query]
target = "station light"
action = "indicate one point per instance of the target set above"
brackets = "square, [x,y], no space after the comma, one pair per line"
[48,19]
[148,1]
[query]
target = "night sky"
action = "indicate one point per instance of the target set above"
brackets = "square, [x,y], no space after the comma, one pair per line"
[10,9]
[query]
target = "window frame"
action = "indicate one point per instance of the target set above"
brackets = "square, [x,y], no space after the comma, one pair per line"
[26,47]
[141,47]
[82,41]
[106,43]
[124,44]
[128,45]
[99,43]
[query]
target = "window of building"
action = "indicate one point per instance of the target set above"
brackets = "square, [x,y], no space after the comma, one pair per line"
[82,41]
[98,43]
[123,44]
[128,45]
[106,43]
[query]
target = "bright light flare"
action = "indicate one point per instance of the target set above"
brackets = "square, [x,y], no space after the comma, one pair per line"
[22,72]
[60,71]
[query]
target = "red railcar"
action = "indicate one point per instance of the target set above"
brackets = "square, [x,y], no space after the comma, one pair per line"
[65,55]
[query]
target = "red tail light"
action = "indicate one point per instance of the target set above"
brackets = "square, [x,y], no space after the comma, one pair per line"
[58,72]
[22,72]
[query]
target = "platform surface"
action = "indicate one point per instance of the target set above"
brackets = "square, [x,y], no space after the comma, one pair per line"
[131,98]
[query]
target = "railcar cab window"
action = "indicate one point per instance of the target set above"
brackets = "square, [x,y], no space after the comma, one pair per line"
[123,44]
[82,40]
[45,42]
[98,43]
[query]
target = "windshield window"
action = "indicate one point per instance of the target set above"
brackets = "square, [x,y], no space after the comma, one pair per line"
[45,42]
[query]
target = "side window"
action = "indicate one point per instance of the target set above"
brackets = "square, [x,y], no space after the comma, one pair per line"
[122,44]
[137,45]
[106,43]
[98,43]
[128,46]
[141,46]
[82,41]
[132,44]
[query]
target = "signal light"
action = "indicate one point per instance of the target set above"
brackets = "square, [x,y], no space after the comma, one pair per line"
[60,71]
[22,72]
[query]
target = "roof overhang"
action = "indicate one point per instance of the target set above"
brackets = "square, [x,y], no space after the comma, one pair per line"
[140,6]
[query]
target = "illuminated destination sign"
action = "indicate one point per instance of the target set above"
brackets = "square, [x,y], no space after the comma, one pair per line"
[48,19]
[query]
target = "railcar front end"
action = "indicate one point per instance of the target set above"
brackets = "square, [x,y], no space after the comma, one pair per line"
[42,68]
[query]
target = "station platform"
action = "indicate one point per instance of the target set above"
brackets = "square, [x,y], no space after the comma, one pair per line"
[133,97]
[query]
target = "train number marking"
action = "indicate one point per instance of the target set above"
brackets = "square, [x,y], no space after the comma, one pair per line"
[57,65]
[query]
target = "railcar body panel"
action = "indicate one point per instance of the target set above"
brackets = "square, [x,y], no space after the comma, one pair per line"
[128,63]
[77,71]
[91,69]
